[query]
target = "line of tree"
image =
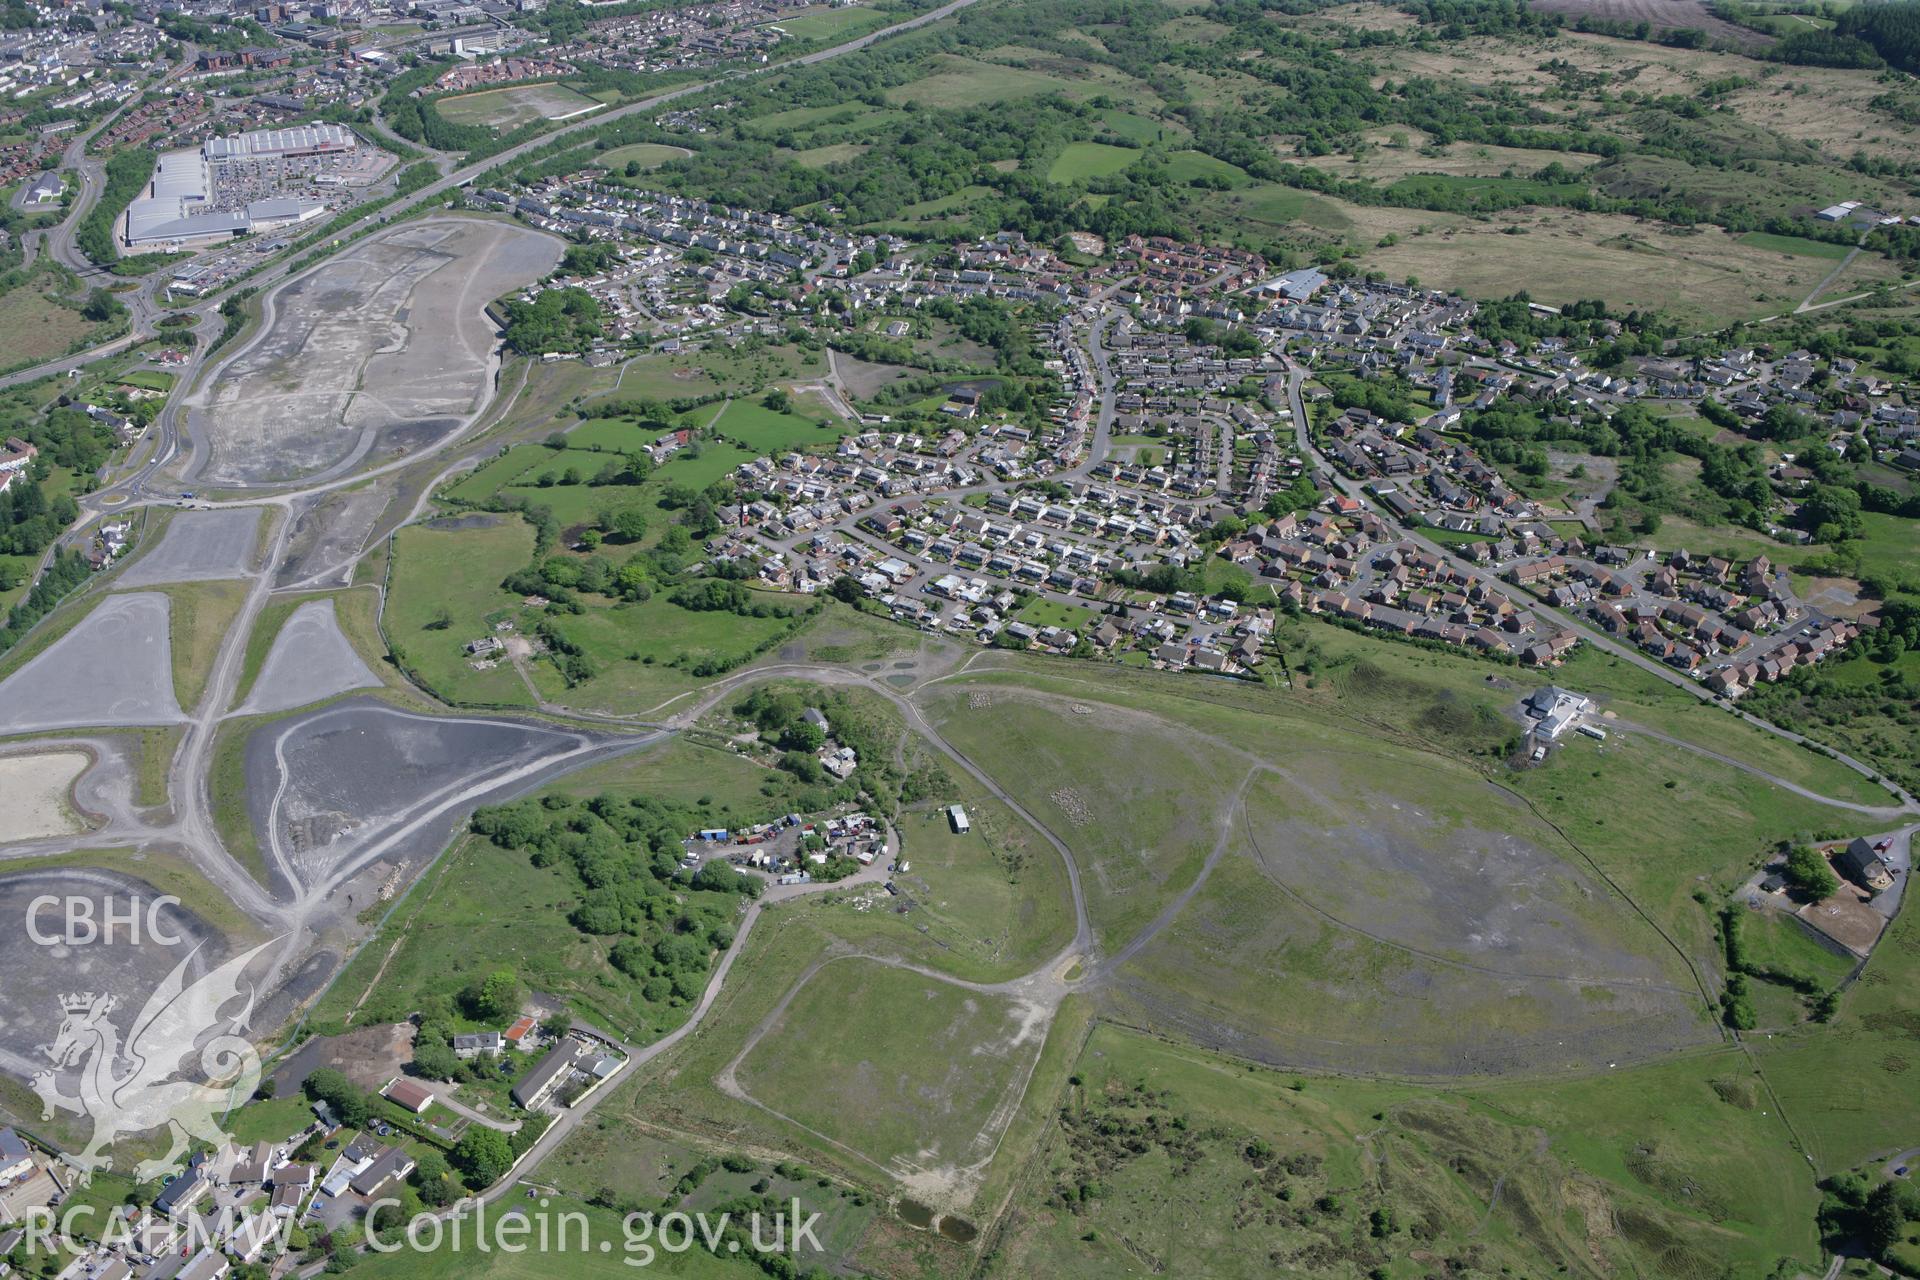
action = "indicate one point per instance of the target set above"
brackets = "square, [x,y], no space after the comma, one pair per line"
[127,173]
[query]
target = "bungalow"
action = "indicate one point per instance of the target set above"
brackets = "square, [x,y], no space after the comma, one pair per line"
[387,1168]
[539,1085]
[471,1044]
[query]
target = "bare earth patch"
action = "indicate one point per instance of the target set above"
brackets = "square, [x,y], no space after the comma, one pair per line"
[36,788]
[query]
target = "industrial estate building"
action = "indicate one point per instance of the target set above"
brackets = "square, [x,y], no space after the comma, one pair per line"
[181,202]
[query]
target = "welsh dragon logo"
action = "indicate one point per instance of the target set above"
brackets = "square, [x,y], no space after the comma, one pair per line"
[127,1086]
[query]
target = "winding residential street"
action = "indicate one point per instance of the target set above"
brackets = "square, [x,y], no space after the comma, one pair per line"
[1303,440]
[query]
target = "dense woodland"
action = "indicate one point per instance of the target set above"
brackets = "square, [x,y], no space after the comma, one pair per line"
[623,857]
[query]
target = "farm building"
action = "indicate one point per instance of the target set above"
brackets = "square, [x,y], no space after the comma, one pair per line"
[957,816]
[1861,863]
[409,1095]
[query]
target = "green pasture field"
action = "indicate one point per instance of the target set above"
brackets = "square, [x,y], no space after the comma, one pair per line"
[1775,940]
[617,435]
[1141,808]
[1043,612]
[831,153]
[1138,128]
[1800,246]
[766,431]
[1081,160]
[509,108]
[459,571]
[831,26]
[914,1075]
[732,789]
[146,379]
[519,473]
[962,82]
[1869,1046]
[201,614]
[649,155]
[1271,206]
[1185,166]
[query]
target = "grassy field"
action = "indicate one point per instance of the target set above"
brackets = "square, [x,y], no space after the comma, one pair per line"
[745,370]
[963,82]
[456,574]
[1889,545]
[1869,1046]
[1141,802]
[507,109]
[642,653]
[1416,699]
[918,1078]
[648,155]
[18,570]
[832,153]
[1733,541]
[1187,166]
[562,480]
[1082,160]
[1799,246]
[729,788]
[763,430]
[1776,940]
[1138,128]
[202,612]
[156,748]
[35,325]
[227,789]
[1400,151]
[1043,612]
[1619,686]
[831,26]
[1703,276]
[993,903]
[147,379]
[1186,1163]
[266,627]
[269,1120]
[1270,206]
[619,435]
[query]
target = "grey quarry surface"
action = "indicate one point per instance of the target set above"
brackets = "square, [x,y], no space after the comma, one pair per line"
[360,783]
[199,546]
[328,535]
[61,962]
[310,660]
[386,350]
[114,669]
